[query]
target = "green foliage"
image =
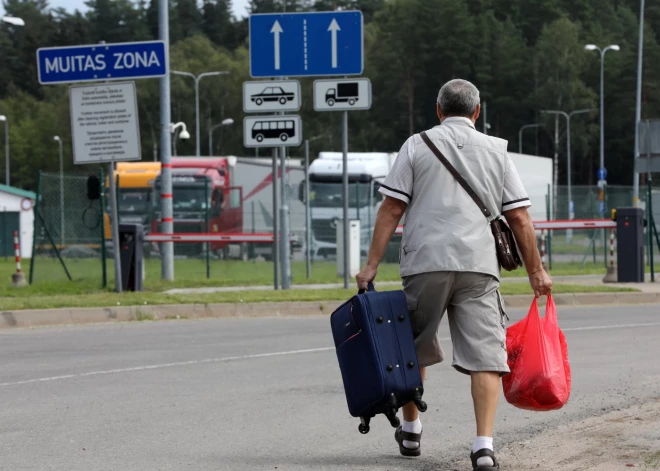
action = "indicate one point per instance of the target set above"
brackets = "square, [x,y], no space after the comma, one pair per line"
[524,56]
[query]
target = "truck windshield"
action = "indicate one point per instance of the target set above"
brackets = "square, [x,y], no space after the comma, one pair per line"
[133,201]
[329,195]
[188,199]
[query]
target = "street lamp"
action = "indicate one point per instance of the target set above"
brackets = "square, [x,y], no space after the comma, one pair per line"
[59,141]
[568,116]
[4,118]
[593,47]
[197,78]
[520,135]
[225,122]
[13,20]
[184,134]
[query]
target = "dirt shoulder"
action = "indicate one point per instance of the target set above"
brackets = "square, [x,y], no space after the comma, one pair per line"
[625,439]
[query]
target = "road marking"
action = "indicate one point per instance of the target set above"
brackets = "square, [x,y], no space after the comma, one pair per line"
[604,327]
[167,365]
[260,355]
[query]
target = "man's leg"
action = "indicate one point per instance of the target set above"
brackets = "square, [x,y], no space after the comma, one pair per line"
[410,411]
[411,422]
[477,326]
[485,394]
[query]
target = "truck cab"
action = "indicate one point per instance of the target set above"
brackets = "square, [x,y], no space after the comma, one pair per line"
[366,171]
[203,200]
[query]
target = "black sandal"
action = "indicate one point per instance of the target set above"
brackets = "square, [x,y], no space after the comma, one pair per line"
[400,436]
[484,452]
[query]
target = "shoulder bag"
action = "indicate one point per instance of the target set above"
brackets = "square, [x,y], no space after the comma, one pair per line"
[505,242]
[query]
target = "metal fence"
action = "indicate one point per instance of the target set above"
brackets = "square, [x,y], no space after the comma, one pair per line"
[73,239]
[68,231]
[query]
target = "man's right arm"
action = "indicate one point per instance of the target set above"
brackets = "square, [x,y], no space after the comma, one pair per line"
[523,230]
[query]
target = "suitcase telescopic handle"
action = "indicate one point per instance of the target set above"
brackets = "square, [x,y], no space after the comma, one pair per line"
[370,287]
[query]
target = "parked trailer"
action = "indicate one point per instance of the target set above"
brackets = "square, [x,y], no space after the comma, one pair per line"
[255,176]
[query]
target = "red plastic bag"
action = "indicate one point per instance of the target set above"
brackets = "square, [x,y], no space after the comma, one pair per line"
[540,377]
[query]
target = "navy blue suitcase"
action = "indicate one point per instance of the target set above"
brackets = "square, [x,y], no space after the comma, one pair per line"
[377,357]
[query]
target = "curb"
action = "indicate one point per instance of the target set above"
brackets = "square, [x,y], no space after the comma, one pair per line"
[75,316]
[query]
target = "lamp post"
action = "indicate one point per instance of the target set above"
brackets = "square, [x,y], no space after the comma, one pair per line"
[568,117]
[6,120]
[526,126]
[59,141]
[638,101]
[225,122]
[593,47]
[184,134]
[13,20]
[197,78]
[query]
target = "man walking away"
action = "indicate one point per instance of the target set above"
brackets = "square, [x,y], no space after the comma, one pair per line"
[448,259]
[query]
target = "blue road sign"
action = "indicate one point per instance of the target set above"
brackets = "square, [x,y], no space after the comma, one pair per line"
[306,44]
[602,174]
[97,62]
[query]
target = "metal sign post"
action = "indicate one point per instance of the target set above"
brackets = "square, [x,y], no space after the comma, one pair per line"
[105,122]
[105,128]
[297,45]
[276,247]
[343,95]
[286,229]
[345,185]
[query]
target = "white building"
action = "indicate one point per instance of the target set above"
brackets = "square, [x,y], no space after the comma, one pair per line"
[16,214]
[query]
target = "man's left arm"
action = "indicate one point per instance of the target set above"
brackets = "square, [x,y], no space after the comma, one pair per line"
[387,220]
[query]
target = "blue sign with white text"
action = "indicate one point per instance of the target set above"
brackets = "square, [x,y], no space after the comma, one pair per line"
[602,174]
[101,62]
[306,44]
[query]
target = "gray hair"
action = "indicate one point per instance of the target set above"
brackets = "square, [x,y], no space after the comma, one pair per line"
[458,98]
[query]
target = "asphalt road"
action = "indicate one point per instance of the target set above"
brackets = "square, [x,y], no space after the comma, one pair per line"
[265,394]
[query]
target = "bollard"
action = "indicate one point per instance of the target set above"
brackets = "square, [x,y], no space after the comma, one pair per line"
[543,257]
[611,276]
[18,278]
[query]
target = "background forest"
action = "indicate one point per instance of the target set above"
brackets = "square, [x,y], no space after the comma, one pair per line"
[525,56]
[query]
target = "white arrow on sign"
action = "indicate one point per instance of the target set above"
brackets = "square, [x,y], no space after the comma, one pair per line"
[333,28]
[277,30]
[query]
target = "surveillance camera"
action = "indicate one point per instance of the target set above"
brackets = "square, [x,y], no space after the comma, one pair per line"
[184,135]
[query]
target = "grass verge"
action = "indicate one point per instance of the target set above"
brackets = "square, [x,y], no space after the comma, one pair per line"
[107,299]
[50,279]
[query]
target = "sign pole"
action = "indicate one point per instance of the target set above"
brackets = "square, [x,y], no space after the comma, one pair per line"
[345,190]
[114,225]
[167,221]
[284,221]
[276,221]
[308,217]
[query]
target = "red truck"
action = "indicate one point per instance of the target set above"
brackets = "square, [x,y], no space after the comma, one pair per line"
[204,200]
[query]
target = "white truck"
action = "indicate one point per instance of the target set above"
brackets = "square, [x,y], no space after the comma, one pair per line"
[366,171]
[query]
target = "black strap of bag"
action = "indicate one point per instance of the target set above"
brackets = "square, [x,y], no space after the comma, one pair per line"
[505,243]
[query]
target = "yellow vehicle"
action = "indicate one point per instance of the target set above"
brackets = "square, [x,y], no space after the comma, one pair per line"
[135,182]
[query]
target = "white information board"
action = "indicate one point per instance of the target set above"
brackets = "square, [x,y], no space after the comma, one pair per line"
[104,123]
[267,96]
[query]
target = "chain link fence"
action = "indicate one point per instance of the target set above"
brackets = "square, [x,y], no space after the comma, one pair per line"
[68,231]
[582,247]
[73,239]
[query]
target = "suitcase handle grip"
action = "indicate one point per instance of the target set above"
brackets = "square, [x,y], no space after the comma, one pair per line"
[370,287]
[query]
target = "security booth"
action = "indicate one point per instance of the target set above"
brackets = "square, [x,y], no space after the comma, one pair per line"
[630,224]
[131,242]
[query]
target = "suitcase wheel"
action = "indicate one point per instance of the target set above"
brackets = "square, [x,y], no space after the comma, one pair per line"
[421,406]
[364,429]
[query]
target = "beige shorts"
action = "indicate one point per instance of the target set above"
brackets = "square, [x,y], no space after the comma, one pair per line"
[476,314]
